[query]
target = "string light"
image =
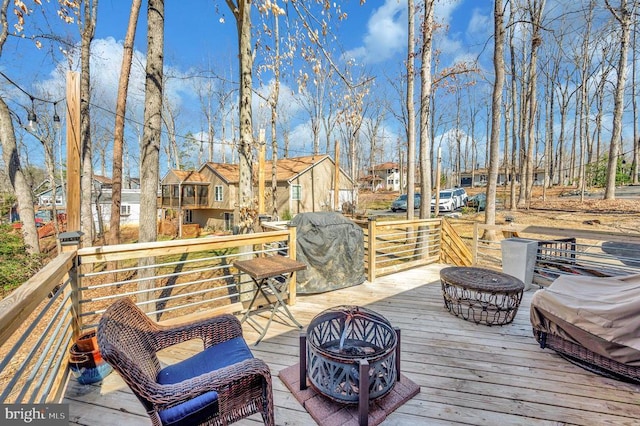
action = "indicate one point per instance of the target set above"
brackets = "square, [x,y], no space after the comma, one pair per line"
[56,117]
[32,118]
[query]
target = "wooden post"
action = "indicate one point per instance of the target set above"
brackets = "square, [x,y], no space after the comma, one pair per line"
[292,255]
[474,246]
[436,208]
[261,156]
[74,278]
[336,179]
[73,151]
[372,249]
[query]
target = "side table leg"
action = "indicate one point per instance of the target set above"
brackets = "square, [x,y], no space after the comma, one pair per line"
[280,302]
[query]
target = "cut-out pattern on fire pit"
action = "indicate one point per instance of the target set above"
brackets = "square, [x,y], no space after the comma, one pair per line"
[337,340]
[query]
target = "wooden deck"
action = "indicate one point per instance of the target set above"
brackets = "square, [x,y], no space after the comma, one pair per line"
[468,373]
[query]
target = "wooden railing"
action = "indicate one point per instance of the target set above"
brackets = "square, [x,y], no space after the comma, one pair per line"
[562,250]
[171,280]
[37,324]
[454,250]
[40,320]
[392,246]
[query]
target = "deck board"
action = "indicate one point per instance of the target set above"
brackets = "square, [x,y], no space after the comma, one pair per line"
[468,373]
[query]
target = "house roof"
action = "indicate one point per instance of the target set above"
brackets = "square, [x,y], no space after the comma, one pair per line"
[102,180]
[287,168]
[229,172]
[189,176]
[384,166]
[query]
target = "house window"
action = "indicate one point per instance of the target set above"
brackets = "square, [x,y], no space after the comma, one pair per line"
[218,193]
[125,210]
[296,192]
[188,216]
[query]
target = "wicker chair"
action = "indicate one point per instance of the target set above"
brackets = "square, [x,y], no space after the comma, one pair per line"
[220,385]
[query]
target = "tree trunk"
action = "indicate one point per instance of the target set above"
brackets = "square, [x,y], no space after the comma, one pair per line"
[425,96]
[150,149]
[636,136]
[624,16]
[12,159]
[411,128]
[496,103]
[90,10]
[274,116]
[18,180]
[118,134]
[245,188]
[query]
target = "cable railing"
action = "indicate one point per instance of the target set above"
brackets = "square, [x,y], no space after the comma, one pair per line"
[561,251]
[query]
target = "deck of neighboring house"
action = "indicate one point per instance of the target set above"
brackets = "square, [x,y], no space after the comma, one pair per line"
[468,373]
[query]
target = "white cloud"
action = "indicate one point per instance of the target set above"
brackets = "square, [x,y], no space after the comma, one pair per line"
[386,34]
[480,25]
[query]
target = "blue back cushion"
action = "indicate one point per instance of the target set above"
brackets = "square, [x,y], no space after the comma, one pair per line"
[198,409]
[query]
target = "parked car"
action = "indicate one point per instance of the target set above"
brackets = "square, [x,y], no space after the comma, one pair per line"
[478,201]
[447,201]
[400,203]
[461,197]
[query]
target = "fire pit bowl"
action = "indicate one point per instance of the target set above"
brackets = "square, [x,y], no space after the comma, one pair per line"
[348,347]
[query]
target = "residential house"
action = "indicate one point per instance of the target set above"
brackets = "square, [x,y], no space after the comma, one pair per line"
[101,200]
[209,195]
[205,197]
[306,184]
[385,176]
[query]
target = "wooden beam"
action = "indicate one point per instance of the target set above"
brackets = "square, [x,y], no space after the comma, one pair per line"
[336,179]
[73,151]
[261,156]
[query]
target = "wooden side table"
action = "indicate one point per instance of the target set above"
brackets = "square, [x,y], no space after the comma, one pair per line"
[481,295]
[271,275]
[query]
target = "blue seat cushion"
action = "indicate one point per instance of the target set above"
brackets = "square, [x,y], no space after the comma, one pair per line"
[192,412]
[198,409]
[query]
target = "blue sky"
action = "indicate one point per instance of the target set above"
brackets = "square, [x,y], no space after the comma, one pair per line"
[201,34]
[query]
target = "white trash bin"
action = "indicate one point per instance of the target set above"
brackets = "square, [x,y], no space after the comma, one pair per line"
[519,259]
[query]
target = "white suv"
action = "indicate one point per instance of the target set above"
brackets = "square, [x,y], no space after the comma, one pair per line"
[461,197]
[447,201]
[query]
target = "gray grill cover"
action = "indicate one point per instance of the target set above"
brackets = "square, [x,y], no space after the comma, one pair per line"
[333,249]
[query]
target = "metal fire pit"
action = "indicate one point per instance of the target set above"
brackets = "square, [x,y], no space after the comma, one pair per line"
[352,356]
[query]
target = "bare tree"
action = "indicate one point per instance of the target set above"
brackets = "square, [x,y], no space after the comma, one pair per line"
[411,120]
[118,133]
[496,104]
[535,9]
[635,167]
[169,118]
[11,157]
[150,148]
[425,97]
[624,15]
[87,32]
[241,10]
